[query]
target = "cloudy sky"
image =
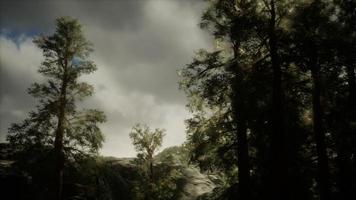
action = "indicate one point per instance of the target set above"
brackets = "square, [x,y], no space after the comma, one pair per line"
[139,46]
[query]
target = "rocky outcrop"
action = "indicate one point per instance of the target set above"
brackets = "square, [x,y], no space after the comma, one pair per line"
[113,178]
[196,184]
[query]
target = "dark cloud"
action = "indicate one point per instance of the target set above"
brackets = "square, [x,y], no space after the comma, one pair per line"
[39,15]
[139,46]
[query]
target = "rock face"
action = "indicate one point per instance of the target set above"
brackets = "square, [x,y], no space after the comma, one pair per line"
[197,184]
[192,185]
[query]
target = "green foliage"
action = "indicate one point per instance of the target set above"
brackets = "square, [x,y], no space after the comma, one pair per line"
[273,110]
[88,177]
[232,89]
[175,155]
[65,60]
[164,186]
[160,175]
[146,142]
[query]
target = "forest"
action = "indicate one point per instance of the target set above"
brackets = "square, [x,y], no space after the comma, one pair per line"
[272,104]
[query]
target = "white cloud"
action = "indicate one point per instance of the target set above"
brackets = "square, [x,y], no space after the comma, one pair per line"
[18,61]
[138,49]
[124,108]
[19,57]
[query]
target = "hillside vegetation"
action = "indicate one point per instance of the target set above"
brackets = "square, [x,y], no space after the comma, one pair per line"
[104,178]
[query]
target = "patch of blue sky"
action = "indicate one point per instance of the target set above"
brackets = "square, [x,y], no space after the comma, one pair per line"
[76,61]
[18,36]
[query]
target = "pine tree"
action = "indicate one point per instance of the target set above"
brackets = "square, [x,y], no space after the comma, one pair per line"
[57,121]
[311,26]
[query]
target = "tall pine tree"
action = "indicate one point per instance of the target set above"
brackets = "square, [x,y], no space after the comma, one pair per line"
[57,121]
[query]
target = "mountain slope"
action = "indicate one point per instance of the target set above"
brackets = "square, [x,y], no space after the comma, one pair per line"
[105,178]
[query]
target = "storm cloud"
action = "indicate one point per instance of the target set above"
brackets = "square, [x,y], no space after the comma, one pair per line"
[139,46]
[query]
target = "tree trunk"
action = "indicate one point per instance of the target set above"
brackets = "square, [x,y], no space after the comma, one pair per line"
[59,156]
[58,143]
[347,172]
[344,164]
[243,189]
[323,166]
[352,90]
[151,175]
[278,176]
[243,161]
[352,121]
[148,195]
[239,113]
